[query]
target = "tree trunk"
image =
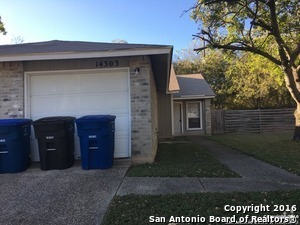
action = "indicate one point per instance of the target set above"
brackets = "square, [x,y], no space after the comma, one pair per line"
[293,85]
[297,123]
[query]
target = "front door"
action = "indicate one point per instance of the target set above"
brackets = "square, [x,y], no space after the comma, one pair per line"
[177,118]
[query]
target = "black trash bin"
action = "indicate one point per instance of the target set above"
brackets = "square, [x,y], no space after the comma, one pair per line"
[14,145]
[55,137]
[97,141]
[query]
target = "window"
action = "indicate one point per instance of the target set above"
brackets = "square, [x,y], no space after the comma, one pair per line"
[194,115]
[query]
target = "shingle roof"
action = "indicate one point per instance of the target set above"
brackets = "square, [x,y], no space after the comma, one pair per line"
[69,46]
[193,85]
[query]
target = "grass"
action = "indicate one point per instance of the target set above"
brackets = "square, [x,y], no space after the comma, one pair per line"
[187,159]
[182,160]
[136,209]
[275,148]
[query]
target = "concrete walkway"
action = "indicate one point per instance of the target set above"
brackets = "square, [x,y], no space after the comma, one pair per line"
[255,176]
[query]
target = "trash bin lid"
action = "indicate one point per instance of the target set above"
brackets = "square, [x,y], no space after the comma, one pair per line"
[14,122]
[96,118]
[54,120]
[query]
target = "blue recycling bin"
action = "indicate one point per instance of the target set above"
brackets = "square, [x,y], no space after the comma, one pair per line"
[97,141]
[14,145]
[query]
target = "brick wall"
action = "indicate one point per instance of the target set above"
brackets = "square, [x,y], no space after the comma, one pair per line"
[12,90]
[143,111]
[207,113]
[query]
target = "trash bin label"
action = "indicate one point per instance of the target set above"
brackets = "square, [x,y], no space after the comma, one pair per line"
[3,149]
[49,137]
[50,146]
[2,140]
[92,136]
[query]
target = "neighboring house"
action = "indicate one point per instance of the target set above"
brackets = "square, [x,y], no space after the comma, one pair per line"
[69,78]
[189,105]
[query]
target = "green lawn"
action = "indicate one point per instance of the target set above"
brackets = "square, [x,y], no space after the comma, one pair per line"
[137,209]
[187,159]
[275,148]
[182,160]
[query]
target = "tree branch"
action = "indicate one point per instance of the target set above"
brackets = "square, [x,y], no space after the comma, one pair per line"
[282,47]
[294,55]
[257,21]
[231,46]
[251,27]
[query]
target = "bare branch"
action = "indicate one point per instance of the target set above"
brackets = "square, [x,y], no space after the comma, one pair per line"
[188,10]
[257,21]
[282,47]
[294,55]
[241,47]
[251,27]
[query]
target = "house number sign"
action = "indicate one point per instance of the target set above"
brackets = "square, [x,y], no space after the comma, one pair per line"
[107,63]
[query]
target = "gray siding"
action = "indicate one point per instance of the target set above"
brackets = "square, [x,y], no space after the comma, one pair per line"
[206,117]
[164,115]
[70,64]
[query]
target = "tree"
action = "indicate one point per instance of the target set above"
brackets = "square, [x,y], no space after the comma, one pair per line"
[17,40]
[212,66]
[247,25]
[256,83]
[2,28]
[121,41]
[187,61]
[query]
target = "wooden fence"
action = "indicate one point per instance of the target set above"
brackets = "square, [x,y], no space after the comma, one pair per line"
[252,121]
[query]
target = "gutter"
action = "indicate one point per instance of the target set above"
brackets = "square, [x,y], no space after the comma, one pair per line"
[80,55]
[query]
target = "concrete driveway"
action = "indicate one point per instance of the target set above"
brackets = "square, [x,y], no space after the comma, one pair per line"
[71,196]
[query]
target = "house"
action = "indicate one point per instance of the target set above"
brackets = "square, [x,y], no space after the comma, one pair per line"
[71,78]
[191,106]
[190,97]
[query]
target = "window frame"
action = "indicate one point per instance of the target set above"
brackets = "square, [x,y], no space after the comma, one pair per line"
[200,104]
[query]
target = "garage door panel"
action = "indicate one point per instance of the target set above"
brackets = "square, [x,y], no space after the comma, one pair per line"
[92,103]
[96,82]
[67,85]
[54,84]
[48,104]
[109,102]
[47,87]
[119,84]
[83,93]
[121,123]
[92,83]
[54,105]
[121,106]
[121,145]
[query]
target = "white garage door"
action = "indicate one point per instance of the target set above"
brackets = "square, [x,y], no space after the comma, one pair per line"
[79,93]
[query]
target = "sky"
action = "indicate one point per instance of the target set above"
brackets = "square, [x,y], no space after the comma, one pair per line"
[136,21]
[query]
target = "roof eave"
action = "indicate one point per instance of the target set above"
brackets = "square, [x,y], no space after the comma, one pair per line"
[173,92]
[87,54]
